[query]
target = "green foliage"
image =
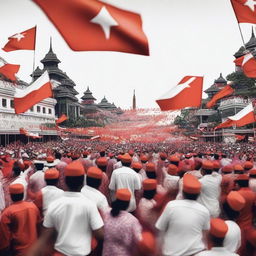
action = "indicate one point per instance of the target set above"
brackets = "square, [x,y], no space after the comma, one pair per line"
[81,122]
[240,80]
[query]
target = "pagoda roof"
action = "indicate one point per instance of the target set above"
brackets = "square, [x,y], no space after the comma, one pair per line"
[50,56]
[252,42]
[88,95]
[104,103]
[37,72]
[213,88]
[220,80]
[240,52]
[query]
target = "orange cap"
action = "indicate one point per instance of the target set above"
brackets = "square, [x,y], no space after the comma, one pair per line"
[131,152]
[227,168]
[248,165]
[238,167]
[147,244]
[110,154]
[242,177]
[207,165]
[123,194]
[150,167]
[94,172]
[51,174]
[163,155]
[137,165]
[119,157]
[126,158]
[102,161]
[235,201]
[218,228]
[149,184]
[75,168]
[216,165]
[50,159]
[191,184]
[252,171]
[16,189]
[143,158]
[174,158]
[172,169]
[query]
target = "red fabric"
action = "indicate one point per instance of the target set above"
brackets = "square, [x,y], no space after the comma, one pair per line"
[9,71]
[26,41]
[55,253]
[244,13]
[74,18]
[61,119]
[248,65]
[39,201]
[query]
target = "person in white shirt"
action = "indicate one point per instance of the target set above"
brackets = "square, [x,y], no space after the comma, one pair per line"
[184,223]
[217,234]
[125,177]
[252,180]
[90,189]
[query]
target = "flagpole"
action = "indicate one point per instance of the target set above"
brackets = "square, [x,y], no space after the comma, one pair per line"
[34,57]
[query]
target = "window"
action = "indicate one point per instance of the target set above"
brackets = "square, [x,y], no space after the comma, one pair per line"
[44,110]
[4,103]
[32,109]
[38,109]
[12,103]
[49,111]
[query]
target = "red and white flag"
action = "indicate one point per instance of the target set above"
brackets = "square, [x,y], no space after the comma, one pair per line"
[30,134]
[22,41]
[91,25]
[36,92]
[61,119]
[243,117]
[188,93]
[248,64]
[244,10]
[9,70]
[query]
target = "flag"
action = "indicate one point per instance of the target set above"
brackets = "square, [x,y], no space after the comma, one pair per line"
[227,90]
[248,64]
[9,70]
[239,137]
[22,41]
[251,139]
[36,92]
[243,117]
[244,11]
[61,119]
[91,25]
[188,93]
[30,134]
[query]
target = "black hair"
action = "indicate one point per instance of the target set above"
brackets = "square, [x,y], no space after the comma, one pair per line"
[143,161]
[163,158]
[175,163]
[103,168]
[190,196]
[102,153]
[252,176]
[51,182]
[216,156]
[149,194]
[74,183]
[231,214]
[117,206]
[92,182]
[242,183]
[238,172]
[17,197]
[217,241]
[151,175]
[16,170]
[126,164]
[58,155]
[207,171]
[39,166]
[136,170]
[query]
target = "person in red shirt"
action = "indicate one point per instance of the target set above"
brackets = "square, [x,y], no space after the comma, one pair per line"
[19,224]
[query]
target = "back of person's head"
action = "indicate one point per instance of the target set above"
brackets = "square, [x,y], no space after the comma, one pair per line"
[149,188]
[94,177]
[16,192]
[58,155]
[74,176]
[122,201]
[191,187]
[242,181]
[51,176]
[16,171]
[218,231]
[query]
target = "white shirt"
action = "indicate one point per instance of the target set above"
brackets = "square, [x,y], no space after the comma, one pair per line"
[171,182]
[217,251]
[50,194]
[210,193]
[225,161]
[252,184]
[74,217]
[117,165]
[183,222]
[125,177]
[232,240]
[95,196]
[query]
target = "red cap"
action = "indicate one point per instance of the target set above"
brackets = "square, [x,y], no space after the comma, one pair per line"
[252,171]
[218,228]
[75,168]
[207,165]
[149,184]
[174,158]
[163,155]
[235,201]
[86,153]
[131,152]
[51,174]
[110,154]
[227,168]
[150,167]
[94,172]
[123,194]
[191,184]
[119,157]
[16,189]
[137,165]
[50,159]
[242,177]
[147,244]
[143,158]
[248,165]
[102,161]
[126,158]
[172,169]
[238,167]
[216,165]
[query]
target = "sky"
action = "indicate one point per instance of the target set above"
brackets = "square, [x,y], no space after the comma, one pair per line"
[186,37]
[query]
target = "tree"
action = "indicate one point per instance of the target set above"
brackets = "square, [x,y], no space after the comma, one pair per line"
[241,81]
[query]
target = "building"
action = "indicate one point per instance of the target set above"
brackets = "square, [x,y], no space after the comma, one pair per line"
[134,101]
[88,103]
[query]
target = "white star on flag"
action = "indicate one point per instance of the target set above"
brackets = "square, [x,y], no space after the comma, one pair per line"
[247,57]
[251,4]
[105,20]
[19,36]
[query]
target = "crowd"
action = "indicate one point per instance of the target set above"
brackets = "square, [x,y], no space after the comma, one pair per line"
[95,198]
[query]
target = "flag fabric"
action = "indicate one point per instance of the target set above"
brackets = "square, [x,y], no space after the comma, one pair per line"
[22,41]
[9,70]
[30,134]
[227,90]
[36,92]
[244,11]
[243,117]
[61,119]
[91,25]
[240,137]
[188,93]
[251,139]
[248,64]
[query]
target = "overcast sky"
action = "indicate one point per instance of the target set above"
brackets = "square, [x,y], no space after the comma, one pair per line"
[186,37]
